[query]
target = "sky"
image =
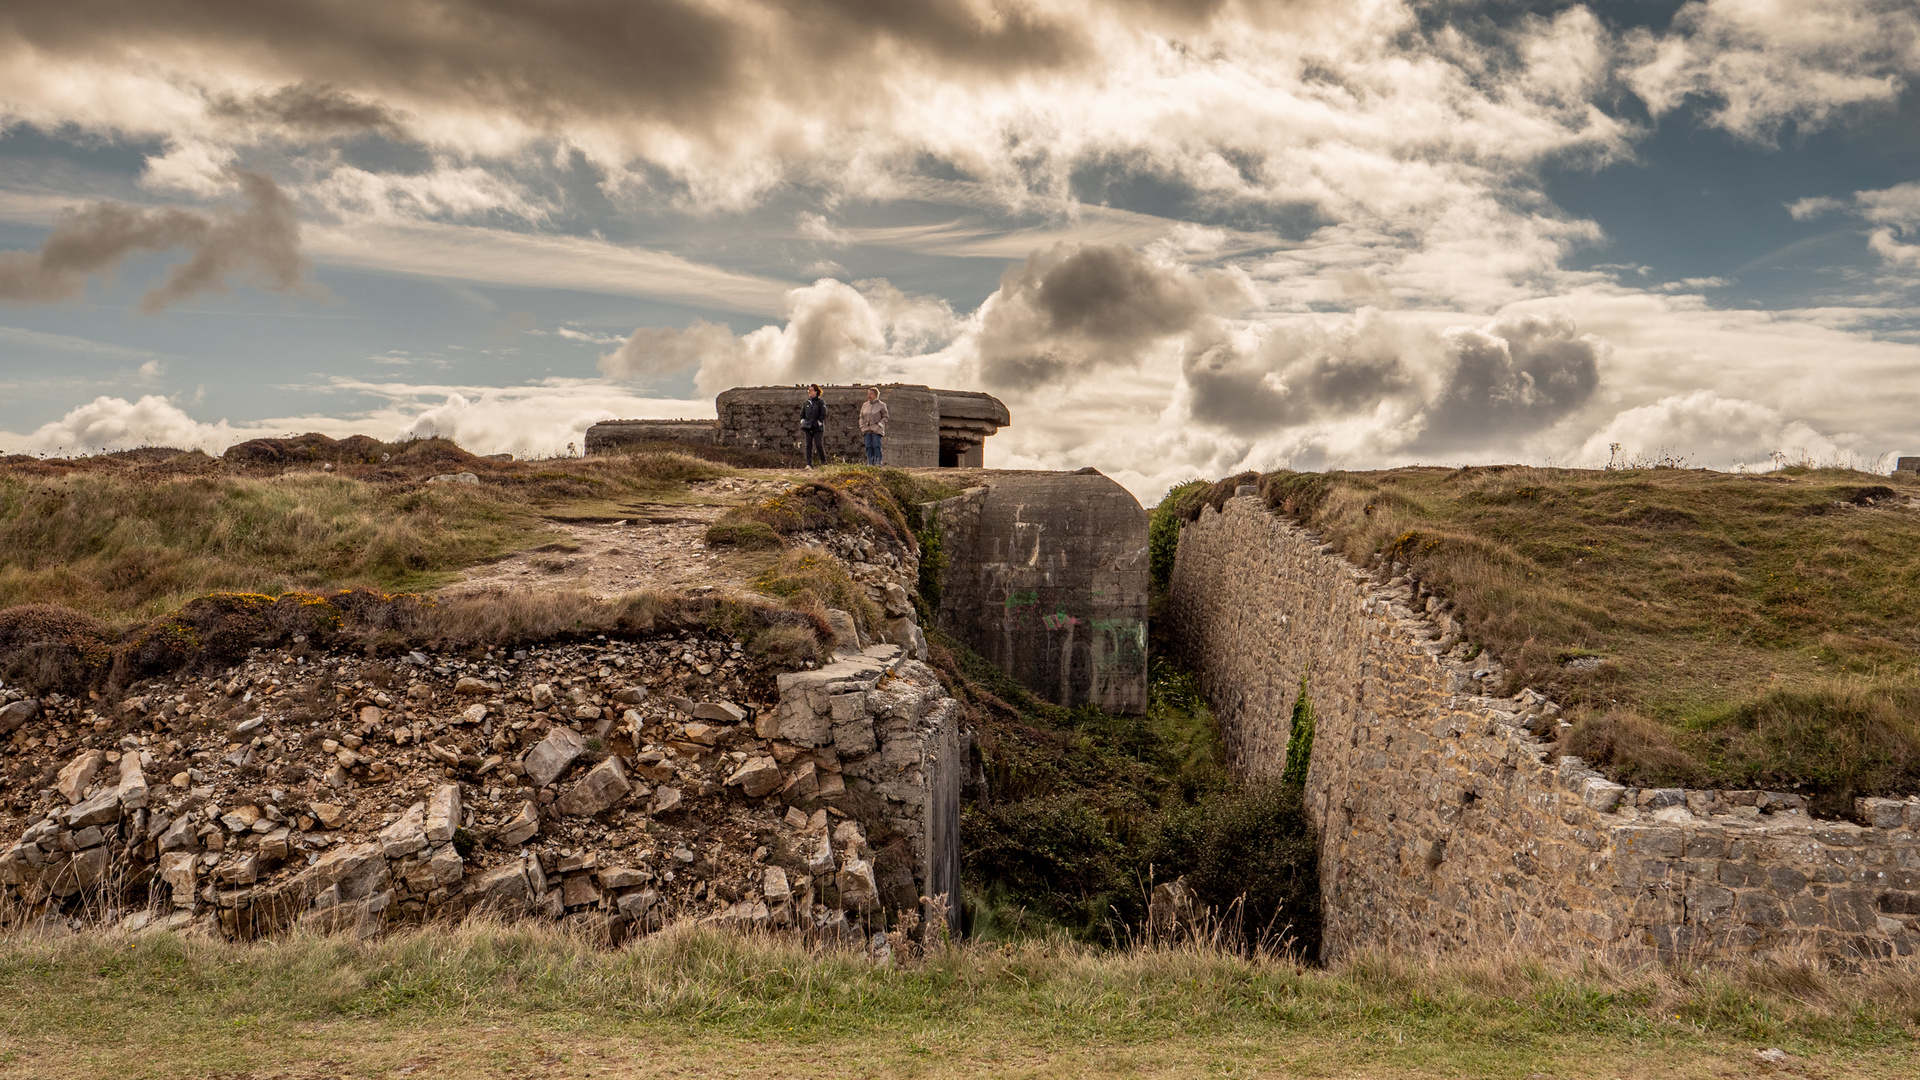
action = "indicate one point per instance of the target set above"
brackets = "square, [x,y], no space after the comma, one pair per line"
[1178,238]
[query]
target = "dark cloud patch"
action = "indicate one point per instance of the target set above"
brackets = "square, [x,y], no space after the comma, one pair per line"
[261,240]
[307,109]
[550,63]
[1070,310]
[1468,386]
[1516,375]
[1297,375]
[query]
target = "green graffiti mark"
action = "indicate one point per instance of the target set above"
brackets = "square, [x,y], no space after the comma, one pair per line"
[1022,598]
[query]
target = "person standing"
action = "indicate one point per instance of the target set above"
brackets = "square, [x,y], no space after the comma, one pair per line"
[873,424]
[813,424]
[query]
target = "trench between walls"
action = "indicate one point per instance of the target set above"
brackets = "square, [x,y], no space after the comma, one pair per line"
[1444,824]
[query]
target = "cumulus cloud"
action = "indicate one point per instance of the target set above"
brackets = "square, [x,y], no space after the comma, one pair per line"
[1409,383]
[1302,370]
[262,241]
[1070,311]
[1517,374]
[833,331]
[113,423]
[1704,426]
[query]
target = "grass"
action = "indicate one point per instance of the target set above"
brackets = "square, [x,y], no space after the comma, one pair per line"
[128,538]
[1703,629]
[529,1000]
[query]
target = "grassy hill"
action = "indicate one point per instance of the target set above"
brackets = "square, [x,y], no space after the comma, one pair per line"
[1701,628]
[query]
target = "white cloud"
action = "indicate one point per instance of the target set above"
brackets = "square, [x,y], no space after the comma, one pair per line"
[1706,427]
[1762,64]
[539,420]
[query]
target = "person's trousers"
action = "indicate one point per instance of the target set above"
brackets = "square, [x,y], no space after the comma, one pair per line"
[816,441]
[873,447]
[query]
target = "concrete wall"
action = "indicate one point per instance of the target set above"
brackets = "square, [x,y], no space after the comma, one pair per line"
[768,418]
[1047,578]
[615,436]
[1445,824]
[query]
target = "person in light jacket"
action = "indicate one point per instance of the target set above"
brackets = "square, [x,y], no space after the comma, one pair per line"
[873,424]
[813,424]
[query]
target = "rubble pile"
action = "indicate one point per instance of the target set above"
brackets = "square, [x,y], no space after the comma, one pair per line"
[890,581]
[622,785]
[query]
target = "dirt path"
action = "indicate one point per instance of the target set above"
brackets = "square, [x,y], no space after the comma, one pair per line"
[661,548]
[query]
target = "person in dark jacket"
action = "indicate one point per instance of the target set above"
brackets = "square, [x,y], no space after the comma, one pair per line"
[813,424]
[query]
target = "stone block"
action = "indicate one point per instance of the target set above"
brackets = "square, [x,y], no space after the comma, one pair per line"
[774,886]
[99,809]
[443,813]
[446,866]
[858,890]
[177,872]
[508,889]
[603,786]
[356,870]
[17,713]
[720,712]
[554,755]
[132,791]
[756,777]
[1882,813]
[623,877]
[855,737]
[579,890]
[635,905]
[407,834]
[77,775]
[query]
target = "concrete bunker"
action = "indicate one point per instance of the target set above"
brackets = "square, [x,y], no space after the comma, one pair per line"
[1046,577]
[926,427]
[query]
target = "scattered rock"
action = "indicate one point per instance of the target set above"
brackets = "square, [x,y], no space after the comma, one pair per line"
[12,716]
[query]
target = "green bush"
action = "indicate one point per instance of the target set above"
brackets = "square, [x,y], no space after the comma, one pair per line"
[1163,533]
[1254,845]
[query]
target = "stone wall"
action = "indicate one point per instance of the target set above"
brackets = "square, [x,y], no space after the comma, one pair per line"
[1047,578]
[1445,823]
